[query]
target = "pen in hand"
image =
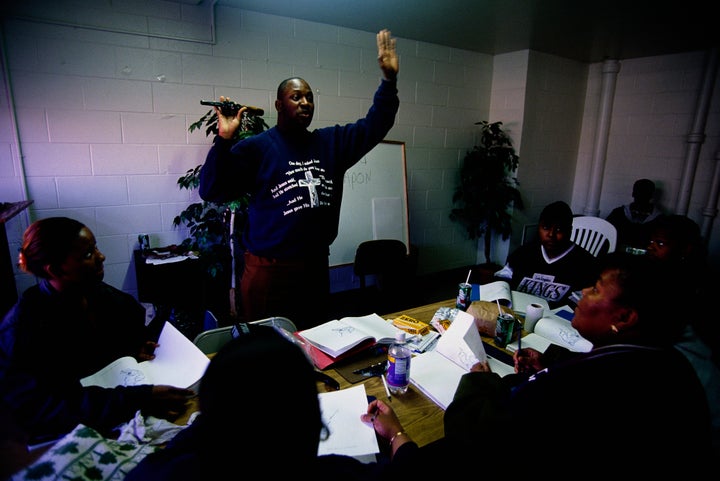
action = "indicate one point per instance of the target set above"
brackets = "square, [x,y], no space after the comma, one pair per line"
[376,413]
[387,389]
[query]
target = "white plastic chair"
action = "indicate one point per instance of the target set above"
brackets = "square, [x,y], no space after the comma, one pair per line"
[212,340]
[591,233]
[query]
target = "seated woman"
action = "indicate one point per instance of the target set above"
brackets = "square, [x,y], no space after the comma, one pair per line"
[260,412]
[632,405]
[66,327]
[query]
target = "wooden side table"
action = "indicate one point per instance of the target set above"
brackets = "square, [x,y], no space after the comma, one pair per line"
[8,294]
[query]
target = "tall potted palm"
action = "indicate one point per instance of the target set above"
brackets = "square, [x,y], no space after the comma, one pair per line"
[487,188]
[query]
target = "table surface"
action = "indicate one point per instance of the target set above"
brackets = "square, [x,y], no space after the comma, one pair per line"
[419,415]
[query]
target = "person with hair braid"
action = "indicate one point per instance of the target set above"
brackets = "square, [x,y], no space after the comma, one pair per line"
[70,325]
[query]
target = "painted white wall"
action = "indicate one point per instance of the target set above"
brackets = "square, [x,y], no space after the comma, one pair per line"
[652,116]
[102,110]
[508,105]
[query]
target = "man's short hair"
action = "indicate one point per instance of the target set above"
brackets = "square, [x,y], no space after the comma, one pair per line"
[557,213]
[643,188]
[283,85]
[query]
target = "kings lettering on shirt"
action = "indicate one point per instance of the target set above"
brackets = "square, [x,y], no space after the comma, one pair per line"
[544,286]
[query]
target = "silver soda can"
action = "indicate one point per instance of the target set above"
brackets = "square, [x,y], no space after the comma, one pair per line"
[463,298]
[504,329]
[144,242]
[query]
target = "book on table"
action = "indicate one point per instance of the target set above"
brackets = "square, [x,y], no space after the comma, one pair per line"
[553,329]
[501,291]
[340,336]
[437,373]
[178,362]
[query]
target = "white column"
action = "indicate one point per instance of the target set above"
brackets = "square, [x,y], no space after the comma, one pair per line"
[697,136]
[710,211]
[607,96]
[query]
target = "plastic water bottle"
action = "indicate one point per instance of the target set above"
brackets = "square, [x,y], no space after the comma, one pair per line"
[398,373]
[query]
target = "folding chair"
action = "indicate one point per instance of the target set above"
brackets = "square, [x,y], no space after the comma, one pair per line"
[212,340]
[591,233]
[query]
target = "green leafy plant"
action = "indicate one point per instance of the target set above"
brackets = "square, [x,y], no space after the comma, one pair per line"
[487,189]
[209,223]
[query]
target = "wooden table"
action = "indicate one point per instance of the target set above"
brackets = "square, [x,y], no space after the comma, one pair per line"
[425,314]
[420,416]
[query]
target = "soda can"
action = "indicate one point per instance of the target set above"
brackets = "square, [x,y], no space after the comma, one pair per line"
[463,298]
[144,242]
[504,329]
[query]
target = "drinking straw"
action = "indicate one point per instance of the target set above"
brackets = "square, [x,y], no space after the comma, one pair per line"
[467,281]
[519,330]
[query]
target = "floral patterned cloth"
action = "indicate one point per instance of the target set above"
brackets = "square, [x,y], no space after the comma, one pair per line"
[84,454]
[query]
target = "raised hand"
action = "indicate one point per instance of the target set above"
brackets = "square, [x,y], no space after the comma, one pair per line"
[387,55]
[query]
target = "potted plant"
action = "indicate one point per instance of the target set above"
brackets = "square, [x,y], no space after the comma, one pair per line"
[212,226]
[487,189]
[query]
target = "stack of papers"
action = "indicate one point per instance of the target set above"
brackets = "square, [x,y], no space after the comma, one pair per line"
[341,411]
[437,373]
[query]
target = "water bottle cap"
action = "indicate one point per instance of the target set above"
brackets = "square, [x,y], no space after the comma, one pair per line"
[400,336]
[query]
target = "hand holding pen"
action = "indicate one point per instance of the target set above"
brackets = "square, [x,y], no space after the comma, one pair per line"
[386,423]
[528,360]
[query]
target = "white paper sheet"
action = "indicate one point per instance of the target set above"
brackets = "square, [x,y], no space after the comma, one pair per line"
[341,411]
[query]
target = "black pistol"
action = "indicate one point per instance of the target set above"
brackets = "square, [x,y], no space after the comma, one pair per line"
[230,108]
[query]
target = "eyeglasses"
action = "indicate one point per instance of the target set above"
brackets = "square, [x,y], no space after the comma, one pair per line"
[658,243]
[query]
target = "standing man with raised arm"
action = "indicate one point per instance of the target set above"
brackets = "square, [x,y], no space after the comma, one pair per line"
[294,178]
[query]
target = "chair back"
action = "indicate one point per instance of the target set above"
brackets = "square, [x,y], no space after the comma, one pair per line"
[277,321]
[592,233]
[212,340]
[393,268]
[381,258]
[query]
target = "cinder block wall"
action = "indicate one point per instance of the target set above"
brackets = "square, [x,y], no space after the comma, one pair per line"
[98,96]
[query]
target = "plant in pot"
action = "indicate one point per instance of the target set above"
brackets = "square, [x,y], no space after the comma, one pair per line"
[212,226]
[487,189]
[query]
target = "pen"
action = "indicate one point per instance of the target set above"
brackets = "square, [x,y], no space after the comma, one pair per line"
[387,389]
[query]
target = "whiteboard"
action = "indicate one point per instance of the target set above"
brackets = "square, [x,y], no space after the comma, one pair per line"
[374,204]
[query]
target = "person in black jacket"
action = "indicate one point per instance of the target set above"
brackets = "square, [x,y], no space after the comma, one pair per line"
[633,405]
[66,327]
[634,221]
[260,413]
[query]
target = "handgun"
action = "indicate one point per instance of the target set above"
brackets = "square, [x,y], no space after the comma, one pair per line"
[229,108]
